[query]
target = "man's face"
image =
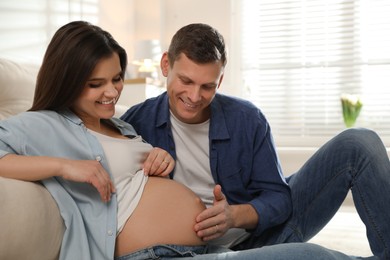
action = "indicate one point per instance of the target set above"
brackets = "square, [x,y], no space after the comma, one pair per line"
[191,87]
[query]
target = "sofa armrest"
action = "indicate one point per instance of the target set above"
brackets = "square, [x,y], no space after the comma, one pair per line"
[30,222]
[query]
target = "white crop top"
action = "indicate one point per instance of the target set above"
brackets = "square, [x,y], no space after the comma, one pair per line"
[125,158]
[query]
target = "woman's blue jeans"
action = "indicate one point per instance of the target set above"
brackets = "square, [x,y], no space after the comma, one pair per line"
[355,160]
[165,252]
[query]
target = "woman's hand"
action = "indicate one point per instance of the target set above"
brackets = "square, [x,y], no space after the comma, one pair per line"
[89,171]
[158,163]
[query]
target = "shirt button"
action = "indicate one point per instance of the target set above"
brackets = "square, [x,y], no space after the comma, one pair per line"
[109,232]
[98,158]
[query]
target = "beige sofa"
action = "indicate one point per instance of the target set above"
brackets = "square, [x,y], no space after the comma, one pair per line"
[30,222]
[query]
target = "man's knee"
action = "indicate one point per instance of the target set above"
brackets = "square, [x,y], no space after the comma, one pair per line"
[360,137]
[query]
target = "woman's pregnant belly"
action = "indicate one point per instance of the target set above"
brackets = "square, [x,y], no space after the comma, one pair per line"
[165,215]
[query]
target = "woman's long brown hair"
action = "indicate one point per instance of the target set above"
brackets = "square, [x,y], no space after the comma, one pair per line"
[70,58]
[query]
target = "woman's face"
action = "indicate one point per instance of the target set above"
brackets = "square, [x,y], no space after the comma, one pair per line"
[101,92]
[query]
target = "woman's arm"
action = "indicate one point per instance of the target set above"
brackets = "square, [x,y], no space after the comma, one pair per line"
[34,168]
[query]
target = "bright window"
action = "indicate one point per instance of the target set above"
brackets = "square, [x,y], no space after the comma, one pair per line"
[299,57]
[26,27]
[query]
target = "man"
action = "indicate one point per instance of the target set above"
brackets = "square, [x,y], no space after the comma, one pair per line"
[225,152]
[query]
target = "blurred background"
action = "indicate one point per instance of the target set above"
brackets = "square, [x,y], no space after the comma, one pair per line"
[293,59]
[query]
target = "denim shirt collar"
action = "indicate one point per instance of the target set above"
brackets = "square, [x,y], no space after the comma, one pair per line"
[218,124]
[123,127]
[163,114]
[68,114]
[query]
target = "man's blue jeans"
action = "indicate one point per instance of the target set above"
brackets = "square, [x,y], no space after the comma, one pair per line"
[290,251]
[355,160]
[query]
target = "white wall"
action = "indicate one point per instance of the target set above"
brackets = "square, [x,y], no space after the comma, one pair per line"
[118,19]
[132,20]
[161,19]
[217,13]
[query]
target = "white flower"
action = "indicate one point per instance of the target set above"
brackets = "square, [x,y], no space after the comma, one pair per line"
[351,105]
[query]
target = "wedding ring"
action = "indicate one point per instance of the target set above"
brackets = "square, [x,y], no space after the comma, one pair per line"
[166,162]
[216,228]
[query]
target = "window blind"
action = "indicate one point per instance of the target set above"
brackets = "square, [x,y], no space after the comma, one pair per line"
[299,57]
[26,27]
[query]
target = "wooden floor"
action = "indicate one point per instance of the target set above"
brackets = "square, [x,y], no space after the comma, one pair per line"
[345,233]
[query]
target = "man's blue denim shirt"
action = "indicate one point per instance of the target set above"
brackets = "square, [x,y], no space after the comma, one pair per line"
[243,159]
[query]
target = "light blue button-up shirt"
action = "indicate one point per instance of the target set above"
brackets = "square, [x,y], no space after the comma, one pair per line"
[90,223]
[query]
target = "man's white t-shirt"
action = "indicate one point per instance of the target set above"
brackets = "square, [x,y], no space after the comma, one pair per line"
[193,169]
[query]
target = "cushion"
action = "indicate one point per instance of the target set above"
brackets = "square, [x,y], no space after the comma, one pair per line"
[30,222]
[17,85]
[120,110]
